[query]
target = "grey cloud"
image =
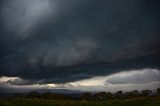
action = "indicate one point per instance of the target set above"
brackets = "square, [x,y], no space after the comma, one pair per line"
[21,16]
[144,76]
[83,36]
[19,82]
[79,52]
[125,80]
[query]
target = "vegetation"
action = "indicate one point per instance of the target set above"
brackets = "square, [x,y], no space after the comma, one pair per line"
[133,98]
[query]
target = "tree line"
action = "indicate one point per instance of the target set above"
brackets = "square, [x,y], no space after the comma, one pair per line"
[89,96]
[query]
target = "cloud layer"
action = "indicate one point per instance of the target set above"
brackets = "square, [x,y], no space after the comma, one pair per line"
[126,80]
[21,16]
[65,41]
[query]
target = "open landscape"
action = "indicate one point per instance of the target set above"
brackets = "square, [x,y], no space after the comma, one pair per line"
[79,52]
[133,98]
[155,101]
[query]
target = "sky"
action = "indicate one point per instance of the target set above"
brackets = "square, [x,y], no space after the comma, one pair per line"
[79,45]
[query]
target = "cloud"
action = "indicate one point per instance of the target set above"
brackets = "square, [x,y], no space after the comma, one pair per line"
[66,41]
[22,16]
[6,79]
[79,52]
[125,80]
[135,77]
[124,77]
[14,81]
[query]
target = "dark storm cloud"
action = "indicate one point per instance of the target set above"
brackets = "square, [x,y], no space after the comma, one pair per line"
[60,41]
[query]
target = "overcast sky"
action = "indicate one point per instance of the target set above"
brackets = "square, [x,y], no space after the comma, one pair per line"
[84,45]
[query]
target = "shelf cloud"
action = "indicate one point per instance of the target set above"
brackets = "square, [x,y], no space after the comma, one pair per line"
[58,41]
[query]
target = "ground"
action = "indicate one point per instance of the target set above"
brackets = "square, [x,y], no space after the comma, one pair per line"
[142,101]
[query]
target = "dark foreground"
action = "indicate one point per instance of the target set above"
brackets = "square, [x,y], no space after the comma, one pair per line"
[142,101]
[119,98]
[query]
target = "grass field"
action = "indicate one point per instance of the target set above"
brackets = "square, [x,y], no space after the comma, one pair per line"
[143,101]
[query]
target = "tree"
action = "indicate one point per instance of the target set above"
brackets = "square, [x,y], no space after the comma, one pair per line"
[119,94]
[19,95]
[86,96]
[33,94]
[102,96]
[132,94]
[146,92]
[158,91]
[49,95]
[109,95]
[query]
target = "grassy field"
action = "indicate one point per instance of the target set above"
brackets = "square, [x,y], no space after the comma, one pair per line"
[143,101]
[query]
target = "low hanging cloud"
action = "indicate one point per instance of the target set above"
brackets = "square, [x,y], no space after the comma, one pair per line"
[14,81]
[63,41]
[126,80]
[124,77]
[135,77]
[4,80]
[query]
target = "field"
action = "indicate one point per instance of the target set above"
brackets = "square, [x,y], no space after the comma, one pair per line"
[141,101]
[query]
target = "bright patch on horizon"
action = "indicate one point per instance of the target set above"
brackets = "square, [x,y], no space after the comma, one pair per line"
[125,77]
[51,85]
[4,79]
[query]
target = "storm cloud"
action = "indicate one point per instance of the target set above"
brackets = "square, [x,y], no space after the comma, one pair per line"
[45,41]
[125,80]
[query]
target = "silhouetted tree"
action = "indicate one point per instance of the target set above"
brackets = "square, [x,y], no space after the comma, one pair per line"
[33,94]
[136,92]
[119,94]
[158,91]
[49,95]
[109,95]
[86,96]
[146,92]
[19,95]
[131,94]
[102,96]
